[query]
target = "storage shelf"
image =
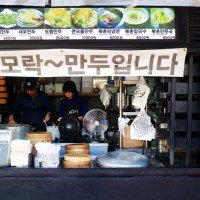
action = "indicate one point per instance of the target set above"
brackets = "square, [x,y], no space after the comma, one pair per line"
[81,94]
[130,113]
[130,82]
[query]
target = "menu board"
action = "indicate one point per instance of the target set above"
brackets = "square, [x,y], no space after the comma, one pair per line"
[104,23]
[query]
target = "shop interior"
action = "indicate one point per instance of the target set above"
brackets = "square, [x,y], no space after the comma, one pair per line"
[172,146]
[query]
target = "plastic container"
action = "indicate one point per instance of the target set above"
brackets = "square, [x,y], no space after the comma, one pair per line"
[55,133]
[5,139]
[97,149]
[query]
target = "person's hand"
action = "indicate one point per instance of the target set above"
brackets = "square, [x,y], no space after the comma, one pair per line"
[47,117]
[80,118]
[11,121]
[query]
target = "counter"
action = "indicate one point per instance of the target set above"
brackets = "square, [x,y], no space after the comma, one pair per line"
[99,184]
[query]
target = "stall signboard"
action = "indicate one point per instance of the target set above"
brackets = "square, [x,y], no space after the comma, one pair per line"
[24,2]
[90,23]
[126,2]
[80,62]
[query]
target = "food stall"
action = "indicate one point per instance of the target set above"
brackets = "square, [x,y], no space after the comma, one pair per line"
[44,46]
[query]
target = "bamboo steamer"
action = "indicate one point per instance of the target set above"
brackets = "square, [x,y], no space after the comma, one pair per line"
[2,81]
[77,161]
[4,95]
[2,88]
[82,148]
[3,101]
[83,163]
[78,151]
[35,137]
[76,166]
[77,158]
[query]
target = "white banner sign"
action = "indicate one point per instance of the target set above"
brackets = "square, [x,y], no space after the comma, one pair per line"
[24,2]
[126,2]
[79,62]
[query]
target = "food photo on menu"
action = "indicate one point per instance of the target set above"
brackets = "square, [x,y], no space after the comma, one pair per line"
[30,18]
[8,18]
[57,17]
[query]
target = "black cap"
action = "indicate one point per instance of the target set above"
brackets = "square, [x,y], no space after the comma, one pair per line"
[70,86]
[30,83]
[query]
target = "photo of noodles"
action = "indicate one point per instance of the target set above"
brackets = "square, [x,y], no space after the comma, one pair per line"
[162,17]
[136,16]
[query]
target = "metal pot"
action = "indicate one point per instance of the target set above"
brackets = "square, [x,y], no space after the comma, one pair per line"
[19,131]
[122,159]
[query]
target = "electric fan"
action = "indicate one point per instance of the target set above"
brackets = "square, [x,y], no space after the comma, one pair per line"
[95,123]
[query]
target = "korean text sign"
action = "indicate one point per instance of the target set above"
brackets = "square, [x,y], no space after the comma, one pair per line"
[80,62]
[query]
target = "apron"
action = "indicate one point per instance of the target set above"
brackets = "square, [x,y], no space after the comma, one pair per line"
[75,109]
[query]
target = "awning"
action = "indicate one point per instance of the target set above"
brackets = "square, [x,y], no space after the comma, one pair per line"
[81,62]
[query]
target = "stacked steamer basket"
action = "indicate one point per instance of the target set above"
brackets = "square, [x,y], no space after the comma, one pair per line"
[3,93]
[36,137]
[77,156]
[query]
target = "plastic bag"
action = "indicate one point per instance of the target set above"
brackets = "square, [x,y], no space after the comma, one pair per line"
[48,154]
[105,97]
[141,94]
[142,128]
[122,122]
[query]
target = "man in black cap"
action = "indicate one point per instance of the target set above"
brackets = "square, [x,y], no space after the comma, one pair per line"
[33,105]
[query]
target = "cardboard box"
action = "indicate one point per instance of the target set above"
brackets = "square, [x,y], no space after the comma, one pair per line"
[128,143]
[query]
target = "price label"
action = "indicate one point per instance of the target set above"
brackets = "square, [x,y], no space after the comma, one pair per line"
[36,38]
[116,37]
[168,37]
[142,37]
[9,38]
[62,37]
[88,37]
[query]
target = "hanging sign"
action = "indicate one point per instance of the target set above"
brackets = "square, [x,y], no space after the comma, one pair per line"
[129,3]
[24,2]
[79,62]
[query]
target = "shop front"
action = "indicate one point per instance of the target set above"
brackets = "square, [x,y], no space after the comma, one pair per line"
[165,54]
